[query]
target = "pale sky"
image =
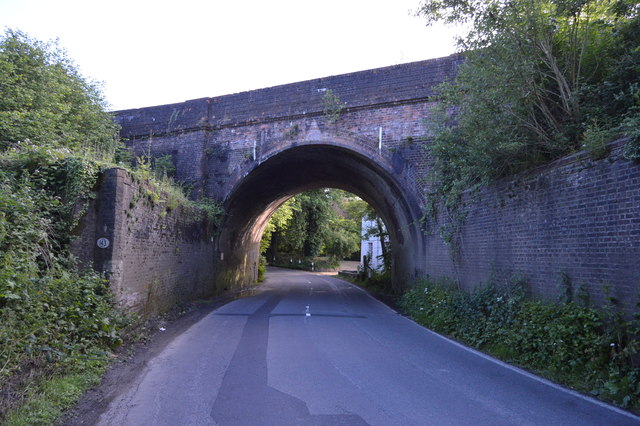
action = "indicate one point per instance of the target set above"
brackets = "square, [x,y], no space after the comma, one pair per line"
[153,52]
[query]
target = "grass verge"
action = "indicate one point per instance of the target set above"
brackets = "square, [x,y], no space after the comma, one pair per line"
[46,399]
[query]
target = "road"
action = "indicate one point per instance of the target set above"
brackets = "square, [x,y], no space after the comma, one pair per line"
[309,349]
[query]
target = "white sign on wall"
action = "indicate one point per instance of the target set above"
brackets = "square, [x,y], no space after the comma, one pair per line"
[103,242]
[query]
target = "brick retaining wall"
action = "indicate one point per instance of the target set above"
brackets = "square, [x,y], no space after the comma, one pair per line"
[157,256]
[575,215]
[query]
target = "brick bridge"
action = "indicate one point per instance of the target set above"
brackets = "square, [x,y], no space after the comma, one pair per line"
[256,149]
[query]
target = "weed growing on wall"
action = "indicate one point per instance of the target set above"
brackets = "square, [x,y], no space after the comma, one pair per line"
[595,351]
[333,106]
[212,210]
[162,188]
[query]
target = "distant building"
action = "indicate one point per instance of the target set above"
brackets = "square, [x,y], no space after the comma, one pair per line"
[370,246]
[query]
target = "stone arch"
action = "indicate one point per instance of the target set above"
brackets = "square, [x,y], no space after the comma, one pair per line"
[310,165]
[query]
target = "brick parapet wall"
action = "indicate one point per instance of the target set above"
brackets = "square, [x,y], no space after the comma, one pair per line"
[372,89]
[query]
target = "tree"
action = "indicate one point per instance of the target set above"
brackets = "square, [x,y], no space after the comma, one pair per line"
[379,231]
[45,100]
[313,223]
[278,223]
[540,79]
[343,238]
[530,89]
[309,225]
[340,241]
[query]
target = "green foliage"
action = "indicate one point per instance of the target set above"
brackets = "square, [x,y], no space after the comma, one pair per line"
[333,106]
[164,166]
[305,232]
[43,99]
[51,189]
[278,222]
[315,212]
[380,283]
[162,189]
[595,141]
[47,401]
[342,238]
[54,319]
[541,79]
[211,208]
[313,223]
[592,350]
[52,316]
[631,126]
[558,338]
[262,268]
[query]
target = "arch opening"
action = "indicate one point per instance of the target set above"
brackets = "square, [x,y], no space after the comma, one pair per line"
[321,229]
[268,185]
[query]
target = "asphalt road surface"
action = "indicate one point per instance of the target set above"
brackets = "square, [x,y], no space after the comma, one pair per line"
[314,350]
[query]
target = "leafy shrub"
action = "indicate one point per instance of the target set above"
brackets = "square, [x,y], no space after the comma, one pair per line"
[595,141]
[559,338]
[52,316]
[212,210]
[379,281]
[432,302]
[592,350]
[631,128]
[333,106]
[262,268]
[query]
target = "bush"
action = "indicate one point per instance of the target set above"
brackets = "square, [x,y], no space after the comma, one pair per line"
[559,338]
[54,319]
[262,268]
[631,127]
[592,350]
[52,316]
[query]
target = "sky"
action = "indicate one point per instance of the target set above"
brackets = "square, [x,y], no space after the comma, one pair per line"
[154,52]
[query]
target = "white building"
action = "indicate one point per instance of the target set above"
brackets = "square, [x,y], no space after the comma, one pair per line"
[370,246]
